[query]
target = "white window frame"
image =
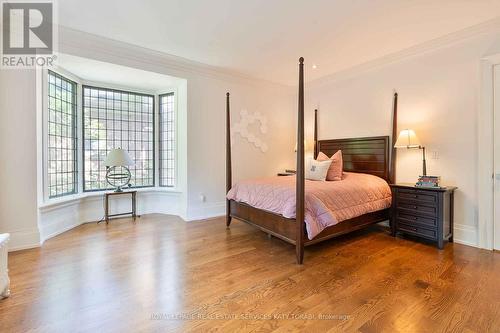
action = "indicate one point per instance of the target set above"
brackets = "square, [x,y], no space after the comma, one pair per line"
[45,150]
[176,146]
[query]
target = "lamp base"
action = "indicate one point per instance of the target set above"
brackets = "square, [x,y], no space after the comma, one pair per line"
[118,177]
[424,164]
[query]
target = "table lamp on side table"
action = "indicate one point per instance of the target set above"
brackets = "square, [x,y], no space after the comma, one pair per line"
[409,140]
[117,173]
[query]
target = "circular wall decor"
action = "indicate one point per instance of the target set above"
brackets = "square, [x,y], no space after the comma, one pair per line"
[242,129]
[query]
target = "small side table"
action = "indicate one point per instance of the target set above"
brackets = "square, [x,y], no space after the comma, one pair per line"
[424,212]
[133,213]
[287,173]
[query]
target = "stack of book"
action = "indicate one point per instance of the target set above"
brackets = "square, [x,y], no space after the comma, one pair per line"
[428,181]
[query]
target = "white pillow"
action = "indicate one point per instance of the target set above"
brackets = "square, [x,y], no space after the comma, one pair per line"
[316,170]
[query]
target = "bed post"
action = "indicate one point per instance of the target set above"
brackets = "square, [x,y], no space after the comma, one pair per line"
[392,171]
[316,152]
[228,160]
[300,182]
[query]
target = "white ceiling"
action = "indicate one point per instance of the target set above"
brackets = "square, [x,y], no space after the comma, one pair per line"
[264,38]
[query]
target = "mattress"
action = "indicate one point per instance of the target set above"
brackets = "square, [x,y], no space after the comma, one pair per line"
[326,202]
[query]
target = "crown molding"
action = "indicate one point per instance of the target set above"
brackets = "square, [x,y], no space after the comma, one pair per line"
[87,45]
[84,44]
[490,26]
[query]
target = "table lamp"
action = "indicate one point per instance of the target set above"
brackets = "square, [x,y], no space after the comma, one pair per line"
[409,140]
[117,173]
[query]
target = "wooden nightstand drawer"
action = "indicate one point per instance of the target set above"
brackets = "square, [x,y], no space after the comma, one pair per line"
[416,209]
[415,195]
[417,231]
[414,219]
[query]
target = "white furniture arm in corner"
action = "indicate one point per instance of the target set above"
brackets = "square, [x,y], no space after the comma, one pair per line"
[4,271]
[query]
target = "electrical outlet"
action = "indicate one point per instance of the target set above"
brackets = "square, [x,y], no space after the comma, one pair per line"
[435,155]
[203,198]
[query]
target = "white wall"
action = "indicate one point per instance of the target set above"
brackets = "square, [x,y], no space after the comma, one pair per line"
[18,166]
[206,137]
[438,98]
[204,143]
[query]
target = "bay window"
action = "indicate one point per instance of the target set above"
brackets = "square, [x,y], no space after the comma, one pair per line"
[84,123]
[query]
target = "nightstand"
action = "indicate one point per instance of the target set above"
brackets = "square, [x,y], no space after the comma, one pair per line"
[424,212]
[287,173]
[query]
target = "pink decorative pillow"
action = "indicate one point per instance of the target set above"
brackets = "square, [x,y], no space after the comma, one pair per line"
[335,170]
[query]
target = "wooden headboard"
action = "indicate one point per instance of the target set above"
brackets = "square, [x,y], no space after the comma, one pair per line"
[367,155]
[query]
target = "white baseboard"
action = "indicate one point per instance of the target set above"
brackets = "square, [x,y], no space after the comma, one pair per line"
[462,234]
[24,239]
[206,212]
[57,229]
[465,234]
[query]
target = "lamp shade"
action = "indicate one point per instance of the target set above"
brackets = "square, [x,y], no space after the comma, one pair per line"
[407,139]
[118,157]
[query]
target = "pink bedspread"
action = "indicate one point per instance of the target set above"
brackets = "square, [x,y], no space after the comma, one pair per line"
[326,202]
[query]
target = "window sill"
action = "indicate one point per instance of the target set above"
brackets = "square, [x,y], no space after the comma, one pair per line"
[74,198]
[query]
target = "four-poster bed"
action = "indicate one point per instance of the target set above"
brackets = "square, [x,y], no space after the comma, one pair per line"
[370,155]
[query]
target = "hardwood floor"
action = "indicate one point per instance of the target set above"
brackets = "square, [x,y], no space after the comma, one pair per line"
[162,274]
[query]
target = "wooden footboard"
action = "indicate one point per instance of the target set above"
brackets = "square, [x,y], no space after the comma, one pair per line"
[273,224]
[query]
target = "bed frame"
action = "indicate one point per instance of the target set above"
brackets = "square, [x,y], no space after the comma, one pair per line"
[367,155]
